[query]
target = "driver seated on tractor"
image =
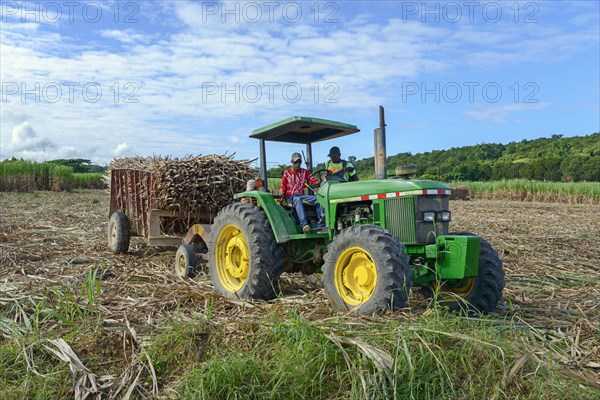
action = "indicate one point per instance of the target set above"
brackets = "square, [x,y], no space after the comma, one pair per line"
[343,170]
[292,187]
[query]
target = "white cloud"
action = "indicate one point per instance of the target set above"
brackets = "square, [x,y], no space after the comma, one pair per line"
[22,133]
[127,36]
[26,143]
[24,138]
[499,114]
[365,58]
[68,152]
[122,149]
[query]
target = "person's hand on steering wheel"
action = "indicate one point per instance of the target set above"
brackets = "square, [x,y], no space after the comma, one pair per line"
[314,176]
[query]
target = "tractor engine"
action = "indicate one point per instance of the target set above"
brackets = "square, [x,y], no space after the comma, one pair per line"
[350,214]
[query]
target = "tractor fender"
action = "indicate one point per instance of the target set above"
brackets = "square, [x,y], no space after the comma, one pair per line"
[282,224]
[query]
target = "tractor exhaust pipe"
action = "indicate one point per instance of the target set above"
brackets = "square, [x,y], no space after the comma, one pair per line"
[380,154]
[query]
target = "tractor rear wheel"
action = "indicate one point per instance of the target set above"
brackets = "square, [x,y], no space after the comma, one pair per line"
[185,261]
[366,269]
[475,294]
[244,258]
[118,232]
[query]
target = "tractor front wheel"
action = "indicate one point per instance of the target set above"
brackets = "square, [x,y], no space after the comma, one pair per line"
[244,258]
[474,294]
[367,270]
[118,233]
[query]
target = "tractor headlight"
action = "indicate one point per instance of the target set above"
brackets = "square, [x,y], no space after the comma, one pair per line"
[445,216]
[429,216]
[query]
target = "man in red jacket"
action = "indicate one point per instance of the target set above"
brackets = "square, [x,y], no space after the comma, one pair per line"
[292,186]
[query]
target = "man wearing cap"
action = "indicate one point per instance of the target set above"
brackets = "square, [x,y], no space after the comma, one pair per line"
[340,168]
[292,186]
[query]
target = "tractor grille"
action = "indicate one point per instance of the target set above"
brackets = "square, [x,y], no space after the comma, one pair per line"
[428,231]
[404,218]
[400,218]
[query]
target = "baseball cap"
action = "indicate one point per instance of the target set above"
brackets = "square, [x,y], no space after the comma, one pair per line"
[334,151]
[296,157]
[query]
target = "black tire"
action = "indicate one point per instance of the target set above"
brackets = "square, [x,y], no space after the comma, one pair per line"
[382,252]
[486,288]
[255,271]
[185,261]
[119,234]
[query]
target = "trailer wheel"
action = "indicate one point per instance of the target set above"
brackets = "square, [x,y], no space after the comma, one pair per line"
[244,259]
[118,233]
[476,294]
[367,270]
[185,261]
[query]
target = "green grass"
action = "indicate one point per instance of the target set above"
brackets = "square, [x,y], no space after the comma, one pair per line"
[89,180]
[25,176]
[285,359]
[28,370]
[275,356]
[590,190]
[18,382]
[178,347]
[280,354]
[438,357]
[274,183]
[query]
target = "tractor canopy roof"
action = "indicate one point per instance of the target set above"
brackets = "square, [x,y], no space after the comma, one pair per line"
[303,130]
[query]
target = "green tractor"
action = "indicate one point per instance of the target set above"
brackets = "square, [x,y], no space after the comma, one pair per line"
[381,238]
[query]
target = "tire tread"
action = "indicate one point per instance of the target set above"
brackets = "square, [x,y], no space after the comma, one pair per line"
[266,255]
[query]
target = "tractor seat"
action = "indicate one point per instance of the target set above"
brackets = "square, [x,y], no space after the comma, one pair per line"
[310,211]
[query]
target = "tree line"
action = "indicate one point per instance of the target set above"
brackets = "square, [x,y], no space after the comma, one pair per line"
[79,165]
[555,158]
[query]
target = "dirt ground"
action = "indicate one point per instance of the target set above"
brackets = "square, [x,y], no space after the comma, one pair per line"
[550,253]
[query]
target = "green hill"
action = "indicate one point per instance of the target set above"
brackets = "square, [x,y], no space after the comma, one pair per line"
[556,158]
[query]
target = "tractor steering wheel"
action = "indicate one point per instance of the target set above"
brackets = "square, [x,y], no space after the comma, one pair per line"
[316,174]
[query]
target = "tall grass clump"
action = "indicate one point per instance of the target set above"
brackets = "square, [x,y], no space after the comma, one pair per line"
[18,382]
[61,178]
[89,180]
[23,176]
[28,369]
[274,183]
[284,359]
[26,176]
[438,357]
[526,190]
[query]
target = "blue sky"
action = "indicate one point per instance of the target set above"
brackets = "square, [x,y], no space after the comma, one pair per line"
[99,79]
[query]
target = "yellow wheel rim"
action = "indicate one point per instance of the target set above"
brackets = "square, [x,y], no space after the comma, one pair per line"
[181,265]
[232,258]
[355,276]
[458,292]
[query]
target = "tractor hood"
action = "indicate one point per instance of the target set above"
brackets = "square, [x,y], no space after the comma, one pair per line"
[347,190]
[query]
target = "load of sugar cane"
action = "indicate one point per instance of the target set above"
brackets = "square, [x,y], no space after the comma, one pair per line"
[194,187]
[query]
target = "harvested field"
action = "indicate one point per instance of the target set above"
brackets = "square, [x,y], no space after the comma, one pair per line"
[51,241]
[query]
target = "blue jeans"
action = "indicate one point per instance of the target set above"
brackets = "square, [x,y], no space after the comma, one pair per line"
[297,199]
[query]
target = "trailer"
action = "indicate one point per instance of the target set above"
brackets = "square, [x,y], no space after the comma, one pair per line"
[133,212]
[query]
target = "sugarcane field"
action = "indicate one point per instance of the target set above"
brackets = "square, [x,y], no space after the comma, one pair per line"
[293,200]
[59,278]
